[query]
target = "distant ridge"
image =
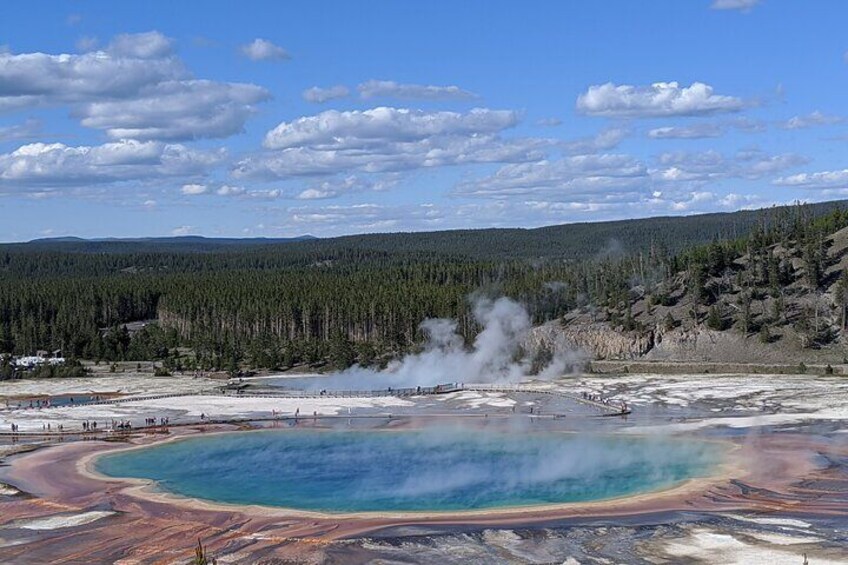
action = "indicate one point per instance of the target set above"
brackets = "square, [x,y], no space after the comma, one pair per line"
[173,239]
[574,241]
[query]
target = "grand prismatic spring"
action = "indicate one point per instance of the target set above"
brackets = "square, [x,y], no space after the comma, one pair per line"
[440,469]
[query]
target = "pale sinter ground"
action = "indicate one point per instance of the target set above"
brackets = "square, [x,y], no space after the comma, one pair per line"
[702,402]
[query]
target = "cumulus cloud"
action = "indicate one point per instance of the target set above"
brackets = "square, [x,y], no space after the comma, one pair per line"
[318,95]
[263,50]
[812,119]
[334,219]
[177,110]
[347,185]
[39,79]
[387,139]
[711,165]
[183,230]
[819,180]
[58,165]
[135,88]
[194,189]
[566,178]
[656,100]
[389,157]
[391,89]
[697,131]
[602,141]
[525,210]
[741,5]
[227,190]
[149,45]
[361,128]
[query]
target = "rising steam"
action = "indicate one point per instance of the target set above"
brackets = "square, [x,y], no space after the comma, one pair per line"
[496,355]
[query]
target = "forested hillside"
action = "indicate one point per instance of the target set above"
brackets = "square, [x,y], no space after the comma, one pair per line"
[361,298]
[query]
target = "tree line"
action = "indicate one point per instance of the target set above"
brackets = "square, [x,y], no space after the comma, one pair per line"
[362,299]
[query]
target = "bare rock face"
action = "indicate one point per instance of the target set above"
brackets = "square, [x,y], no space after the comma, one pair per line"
[598,340]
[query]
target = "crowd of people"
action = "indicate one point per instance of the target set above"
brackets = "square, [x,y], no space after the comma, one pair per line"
[36,403]
[622,405]
[90,426]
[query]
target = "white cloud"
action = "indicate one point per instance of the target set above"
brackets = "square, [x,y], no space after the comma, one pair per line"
[658,99]
[266,194]
[368,217]
[391,89]
[571,178]
[177,110]
[136,88]
[318,95]
[709,166]
[148,45]
[39,79]
[263,50]
[391,156]
[57,165]
[524,211]
[194,189]
[315,194]
[697,131]
[602,141]
[183,230]
[347,185]
[816,181]
[387,139]
[741,5]
[227,190]
[812,119]
[360,129]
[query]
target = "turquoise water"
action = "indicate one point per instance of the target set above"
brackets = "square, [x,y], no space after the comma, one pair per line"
[435,470]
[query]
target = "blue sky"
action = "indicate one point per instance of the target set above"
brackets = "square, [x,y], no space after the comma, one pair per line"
[327,118]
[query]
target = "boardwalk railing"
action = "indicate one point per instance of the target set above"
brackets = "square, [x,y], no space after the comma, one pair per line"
[396,392]
[239,393]
[446,388]
[610,408]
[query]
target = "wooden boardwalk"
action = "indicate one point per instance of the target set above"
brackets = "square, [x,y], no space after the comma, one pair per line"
[605,408]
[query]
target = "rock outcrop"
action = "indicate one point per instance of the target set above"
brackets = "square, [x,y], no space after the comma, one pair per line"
[596,340]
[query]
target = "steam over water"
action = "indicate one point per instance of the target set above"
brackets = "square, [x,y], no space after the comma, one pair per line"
[494,356]
[434,469]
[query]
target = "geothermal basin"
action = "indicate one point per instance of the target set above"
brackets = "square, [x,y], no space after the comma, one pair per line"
[435,469]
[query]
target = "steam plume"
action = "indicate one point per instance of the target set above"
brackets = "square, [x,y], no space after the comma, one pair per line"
[496,355]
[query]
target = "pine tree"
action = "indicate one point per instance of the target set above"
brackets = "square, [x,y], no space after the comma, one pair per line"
[714,319]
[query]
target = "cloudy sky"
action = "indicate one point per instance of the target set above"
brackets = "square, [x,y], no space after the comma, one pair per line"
[326,118]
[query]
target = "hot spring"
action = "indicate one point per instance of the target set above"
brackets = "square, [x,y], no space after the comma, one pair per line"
[423,470]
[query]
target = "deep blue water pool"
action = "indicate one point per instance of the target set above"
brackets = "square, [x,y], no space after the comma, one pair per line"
[435,469]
